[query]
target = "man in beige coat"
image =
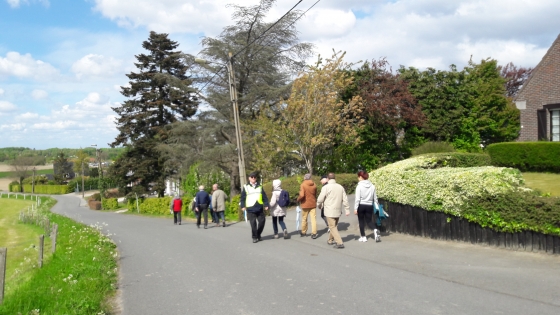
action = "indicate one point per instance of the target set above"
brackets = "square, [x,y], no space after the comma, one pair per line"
[219,204]
[333,198]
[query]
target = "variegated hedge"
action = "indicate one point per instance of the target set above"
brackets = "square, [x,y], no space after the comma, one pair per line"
[423,182]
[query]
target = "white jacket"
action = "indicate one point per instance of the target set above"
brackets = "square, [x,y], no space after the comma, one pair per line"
[365,194]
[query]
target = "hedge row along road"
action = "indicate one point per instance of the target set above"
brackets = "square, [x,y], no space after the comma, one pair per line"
[179,269]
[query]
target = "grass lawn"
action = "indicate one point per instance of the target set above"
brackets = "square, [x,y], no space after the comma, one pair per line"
[543,182]
[79,278]
[21,240]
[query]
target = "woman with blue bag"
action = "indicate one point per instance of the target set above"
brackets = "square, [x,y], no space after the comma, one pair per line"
[366,198]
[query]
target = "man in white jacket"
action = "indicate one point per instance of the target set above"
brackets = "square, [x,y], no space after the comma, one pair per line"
[333,198]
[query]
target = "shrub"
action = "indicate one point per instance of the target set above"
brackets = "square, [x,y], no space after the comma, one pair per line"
[527,156]
[48,189]
[232,208]
[156,205]
[433,147]
[490,196]
[113,193]
[514,212]
[110,203]
[14,186]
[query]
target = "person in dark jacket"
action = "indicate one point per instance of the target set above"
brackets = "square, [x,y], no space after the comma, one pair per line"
[254,201]
[202,200]
[176,207]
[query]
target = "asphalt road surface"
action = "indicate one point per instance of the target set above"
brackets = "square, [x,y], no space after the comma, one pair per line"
[179,269]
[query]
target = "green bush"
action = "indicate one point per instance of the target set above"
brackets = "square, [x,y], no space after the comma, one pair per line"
[232,208]
[527,156]
[14,186]
[490,196]
[44,189]
[433,147]
[110,203]
[156,205]
[457,159]
[515,212]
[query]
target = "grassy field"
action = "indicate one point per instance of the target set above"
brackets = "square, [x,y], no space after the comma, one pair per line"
[80,278]
[37,172]
[543,182]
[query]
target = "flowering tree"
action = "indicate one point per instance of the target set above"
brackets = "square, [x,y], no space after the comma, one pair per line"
[316,115]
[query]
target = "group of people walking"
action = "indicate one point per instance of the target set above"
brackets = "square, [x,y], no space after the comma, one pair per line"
[202,203]
[331,201]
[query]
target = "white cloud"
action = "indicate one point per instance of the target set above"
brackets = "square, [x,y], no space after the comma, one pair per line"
[6,107]
[96,66]
[327,23]
[27,116]
[17,3]
[24,66]
[1,92]
[39,94]
[13,127]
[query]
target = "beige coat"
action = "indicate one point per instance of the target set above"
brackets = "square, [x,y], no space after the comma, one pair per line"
[333,198]
[219,200]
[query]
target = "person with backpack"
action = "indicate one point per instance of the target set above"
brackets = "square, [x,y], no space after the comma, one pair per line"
[308,203]
[254,201]
[366,198]
[277,202]
[176,207]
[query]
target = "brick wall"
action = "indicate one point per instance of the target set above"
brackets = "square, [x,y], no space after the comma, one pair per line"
[543,88]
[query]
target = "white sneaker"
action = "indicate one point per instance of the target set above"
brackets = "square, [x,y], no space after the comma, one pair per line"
[364,239]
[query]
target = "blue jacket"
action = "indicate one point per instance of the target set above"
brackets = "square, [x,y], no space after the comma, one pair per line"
[201,198]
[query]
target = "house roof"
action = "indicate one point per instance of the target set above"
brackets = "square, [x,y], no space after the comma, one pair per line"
[539,66]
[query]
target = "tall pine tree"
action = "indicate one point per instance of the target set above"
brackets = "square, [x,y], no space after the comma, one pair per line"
[159,95]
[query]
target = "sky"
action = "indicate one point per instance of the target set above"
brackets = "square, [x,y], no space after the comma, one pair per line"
[62,62]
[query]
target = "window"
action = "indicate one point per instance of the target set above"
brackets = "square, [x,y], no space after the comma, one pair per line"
[555,125]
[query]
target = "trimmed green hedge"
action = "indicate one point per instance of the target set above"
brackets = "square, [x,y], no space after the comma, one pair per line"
[44,189]
[493,197]
[527,156]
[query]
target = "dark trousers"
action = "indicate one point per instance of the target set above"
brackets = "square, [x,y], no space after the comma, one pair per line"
[202,210]
[280,221]
[220,214]
[365,217]
[176,217]
[323,216]
[254,218]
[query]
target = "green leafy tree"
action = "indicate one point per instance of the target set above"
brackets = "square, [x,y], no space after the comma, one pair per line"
[158,94]
[264,64]
[81,163]
[467,107]
[62,168]
[315,115]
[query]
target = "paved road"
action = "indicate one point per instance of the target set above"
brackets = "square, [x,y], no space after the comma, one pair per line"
[169,269]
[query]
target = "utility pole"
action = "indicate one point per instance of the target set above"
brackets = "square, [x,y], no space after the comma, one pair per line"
[82,178]
[233,96]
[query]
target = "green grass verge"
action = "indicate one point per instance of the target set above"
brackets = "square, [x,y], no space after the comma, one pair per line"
[543,182]
[80,277]
[21,240]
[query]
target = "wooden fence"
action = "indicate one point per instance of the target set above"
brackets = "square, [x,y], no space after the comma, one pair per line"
[440,226]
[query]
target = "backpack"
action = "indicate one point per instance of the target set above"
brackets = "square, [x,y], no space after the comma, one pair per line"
[284,199]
